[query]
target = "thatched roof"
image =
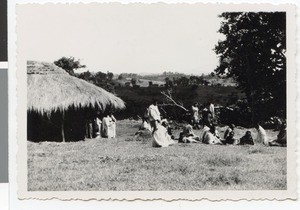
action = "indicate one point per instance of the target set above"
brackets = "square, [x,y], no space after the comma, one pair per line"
[50,88]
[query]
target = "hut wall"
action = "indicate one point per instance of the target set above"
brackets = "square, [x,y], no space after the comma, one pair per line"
[48,128]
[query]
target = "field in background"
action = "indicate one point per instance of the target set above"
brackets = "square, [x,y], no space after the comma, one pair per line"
[123,164]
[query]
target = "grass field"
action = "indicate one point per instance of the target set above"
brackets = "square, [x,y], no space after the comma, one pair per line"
[124,164]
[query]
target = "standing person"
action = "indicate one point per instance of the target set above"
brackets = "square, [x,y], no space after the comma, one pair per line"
[212,110]
[98,128]
[89,128]
[195,116]
[206,116]
[104,128]
[112,125]
[154,115]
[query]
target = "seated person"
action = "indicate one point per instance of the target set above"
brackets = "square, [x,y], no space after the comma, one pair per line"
[144,130]
[161,138]
[281,138]
[145,125]
[246,139]
[262,136]
[229,135]
[166,124]
[187,135]
[211,136]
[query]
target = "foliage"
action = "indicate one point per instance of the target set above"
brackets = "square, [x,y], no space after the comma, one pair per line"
[185,81]
[120,77]
[137,100]
[104,80]
[69,64]
[168,83]
[253,53]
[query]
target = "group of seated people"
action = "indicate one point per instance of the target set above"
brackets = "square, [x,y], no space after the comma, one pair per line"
[211,135]
[163,135]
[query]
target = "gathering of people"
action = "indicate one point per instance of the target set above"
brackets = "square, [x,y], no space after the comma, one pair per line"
[105,128]
[162,131]
[202,118]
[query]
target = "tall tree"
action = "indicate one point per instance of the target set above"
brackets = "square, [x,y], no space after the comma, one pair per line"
[253,53]
[69,64]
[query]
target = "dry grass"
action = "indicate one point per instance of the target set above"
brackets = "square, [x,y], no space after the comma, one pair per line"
[119,164]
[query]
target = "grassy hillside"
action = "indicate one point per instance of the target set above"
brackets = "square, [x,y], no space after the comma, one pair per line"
[124,164]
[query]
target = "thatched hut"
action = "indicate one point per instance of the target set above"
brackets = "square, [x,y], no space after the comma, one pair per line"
[53,94]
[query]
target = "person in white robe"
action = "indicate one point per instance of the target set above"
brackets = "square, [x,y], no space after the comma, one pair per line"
[211,136]
[188,135]
[212,110]
[204,131]
[161,138]
[98,123]
[195,116]
[262,135]
[112,126]
[104,127]
[154,115]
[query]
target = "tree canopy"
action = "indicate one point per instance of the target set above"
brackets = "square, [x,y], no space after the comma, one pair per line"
[103,80]
[253,53]
[69,64]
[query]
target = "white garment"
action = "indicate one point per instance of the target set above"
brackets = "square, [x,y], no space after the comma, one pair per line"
[112,127]
[98,122]
[146,126]
[195,111]
[108,127]
[262,136]
[212,110]
[161,138]
[154,113]
[204,130]
[104,127]
[209,138]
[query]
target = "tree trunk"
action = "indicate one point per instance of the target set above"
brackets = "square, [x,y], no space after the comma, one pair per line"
[62,127]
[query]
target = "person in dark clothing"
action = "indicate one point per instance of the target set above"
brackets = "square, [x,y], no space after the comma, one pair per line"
[206,117]
[281,138]
[229,135]
[246,139]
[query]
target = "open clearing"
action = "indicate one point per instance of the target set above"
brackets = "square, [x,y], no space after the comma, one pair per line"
[122,164]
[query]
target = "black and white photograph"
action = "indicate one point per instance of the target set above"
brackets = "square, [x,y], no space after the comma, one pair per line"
[191,99]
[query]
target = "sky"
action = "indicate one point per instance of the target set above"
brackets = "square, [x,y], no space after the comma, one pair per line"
[133,38]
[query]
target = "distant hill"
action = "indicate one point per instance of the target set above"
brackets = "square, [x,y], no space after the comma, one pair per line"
[159,79]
